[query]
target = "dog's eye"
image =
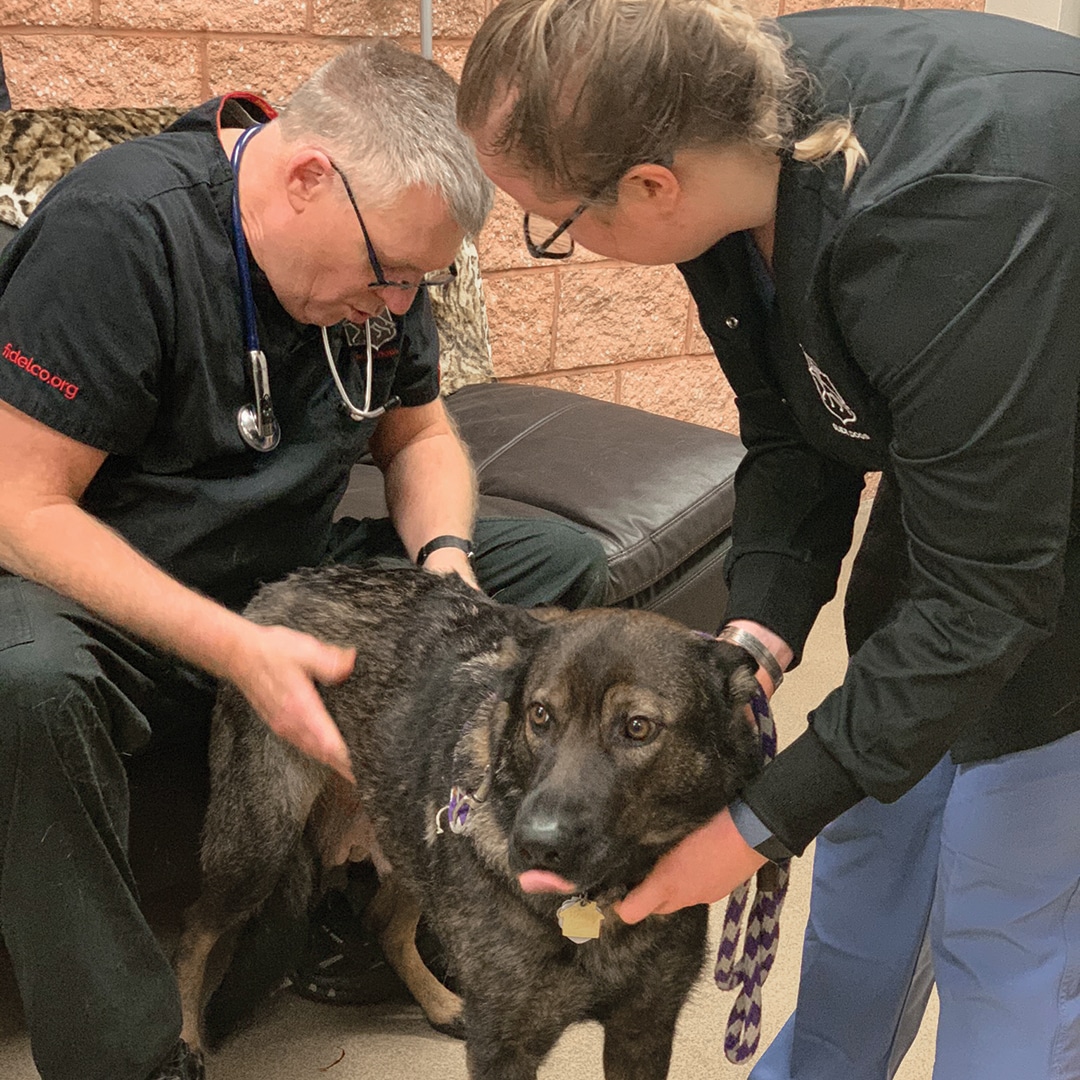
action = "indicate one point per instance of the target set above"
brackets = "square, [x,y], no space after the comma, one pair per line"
[539,717]
[639,728]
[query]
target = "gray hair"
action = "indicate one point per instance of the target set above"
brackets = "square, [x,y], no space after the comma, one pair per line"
[387,117]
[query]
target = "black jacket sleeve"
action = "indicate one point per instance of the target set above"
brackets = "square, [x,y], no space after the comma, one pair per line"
[794,514]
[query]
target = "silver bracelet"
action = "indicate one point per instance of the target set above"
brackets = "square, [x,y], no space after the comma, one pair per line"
[736,635]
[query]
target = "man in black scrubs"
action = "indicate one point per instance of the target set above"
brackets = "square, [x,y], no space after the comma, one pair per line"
[136,521]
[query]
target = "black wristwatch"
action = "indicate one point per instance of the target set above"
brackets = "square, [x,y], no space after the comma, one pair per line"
[444,542]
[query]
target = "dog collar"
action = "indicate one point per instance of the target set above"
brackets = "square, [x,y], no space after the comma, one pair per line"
[460,805]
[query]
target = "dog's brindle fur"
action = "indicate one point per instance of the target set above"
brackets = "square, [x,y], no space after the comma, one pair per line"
[607,735]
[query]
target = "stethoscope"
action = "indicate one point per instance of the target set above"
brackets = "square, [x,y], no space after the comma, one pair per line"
[256,422]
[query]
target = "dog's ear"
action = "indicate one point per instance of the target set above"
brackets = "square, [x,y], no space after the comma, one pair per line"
[511,661]
[739,670]
[510,664]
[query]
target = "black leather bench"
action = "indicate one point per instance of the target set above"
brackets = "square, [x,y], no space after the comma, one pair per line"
[659,493]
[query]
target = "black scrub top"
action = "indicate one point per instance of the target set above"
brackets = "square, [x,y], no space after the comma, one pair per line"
[925,320]
[121,327]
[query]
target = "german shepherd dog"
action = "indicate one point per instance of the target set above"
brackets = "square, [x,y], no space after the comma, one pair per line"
[490,745]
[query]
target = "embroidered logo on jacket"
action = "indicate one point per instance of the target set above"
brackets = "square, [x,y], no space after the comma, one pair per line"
[31,367]
[833,400]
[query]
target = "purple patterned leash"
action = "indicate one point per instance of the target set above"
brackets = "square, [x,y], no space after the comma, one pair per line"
[750,971]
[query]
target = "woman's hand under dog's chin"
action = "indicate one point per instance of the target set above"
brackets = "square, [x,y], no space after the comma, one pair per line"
[701,869]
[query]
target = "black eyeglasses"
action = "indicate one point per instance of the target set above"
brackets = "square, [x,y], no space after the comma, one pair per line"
[559,244]
[428,281]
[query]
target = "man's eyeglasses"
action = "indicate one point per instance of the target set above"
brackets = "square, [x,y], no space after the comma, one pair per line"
[557,242]
[428,281]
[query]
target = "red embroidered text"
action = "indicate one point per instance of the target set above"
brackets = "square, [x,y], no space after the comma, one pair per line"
[27,363]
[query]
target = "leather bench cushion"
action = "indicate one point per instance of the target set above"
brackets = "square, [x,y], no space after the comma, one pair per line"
[694,592]
[658,492]
[654,489]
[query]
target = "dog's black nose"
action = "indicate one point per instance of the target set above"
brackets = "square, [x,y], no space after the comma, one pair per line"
[543,841]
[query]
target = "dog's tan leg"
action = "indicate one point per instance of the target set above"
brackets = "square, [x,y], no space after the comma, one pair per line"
[192,957]
[394,914]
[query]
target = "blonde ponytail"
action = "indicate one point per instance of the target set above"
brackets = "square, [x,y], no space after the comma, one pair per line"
[595,87]
[830,138]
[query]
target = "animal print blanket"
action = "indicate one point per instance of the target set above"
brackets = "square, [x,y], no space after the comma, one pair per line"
[38,146]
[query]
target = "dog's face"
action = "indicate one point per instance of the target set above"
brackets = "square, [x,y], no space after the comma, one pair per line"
[625,733]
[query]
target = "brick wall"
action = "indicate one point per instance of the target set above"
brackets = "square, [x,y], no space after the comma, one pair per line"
[622,333]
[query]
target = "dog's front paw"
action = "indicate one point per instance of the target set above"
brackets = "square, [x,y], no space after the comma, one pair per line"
[454,1028]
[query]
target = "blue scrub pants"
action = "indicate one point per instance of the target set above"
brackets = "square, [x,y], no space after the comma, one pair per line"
[972,879]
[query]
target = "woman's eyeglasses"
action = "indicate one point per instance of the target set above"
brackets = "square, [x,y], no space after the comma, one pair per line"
[557,243]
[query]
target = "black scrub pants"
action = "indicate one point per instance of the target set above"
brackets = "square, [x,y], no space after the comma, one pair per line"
[77,699]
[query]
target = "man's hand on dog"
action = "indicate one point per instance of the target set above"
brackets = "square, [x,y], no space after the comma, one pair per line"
[701,869]
[278,679]
[452,561]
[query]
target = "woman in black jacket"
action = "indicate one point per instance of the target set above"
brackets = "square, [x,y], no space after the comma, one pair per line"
[878,215]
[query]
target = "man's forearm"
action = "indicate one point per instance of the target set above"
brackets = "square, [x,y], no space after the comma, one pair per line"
[61,546]
[431,491]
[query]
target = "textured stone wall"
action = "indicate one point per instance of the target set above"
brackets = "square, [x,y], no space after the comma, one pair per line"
[617,332]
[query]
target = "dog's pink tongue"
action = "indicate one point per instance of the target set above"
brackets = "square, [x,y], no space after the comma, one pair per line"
[544,881]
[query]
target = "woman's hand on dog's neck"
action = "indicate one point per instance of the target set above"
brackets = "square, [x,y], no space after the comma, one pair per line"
[703,868]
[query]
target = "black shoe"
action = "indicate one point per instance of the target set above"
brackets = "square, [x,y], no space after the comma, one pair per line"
[184,1064]
[267,949]
[342,964]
